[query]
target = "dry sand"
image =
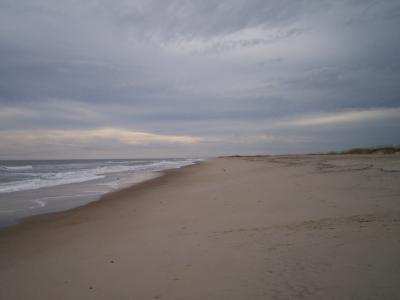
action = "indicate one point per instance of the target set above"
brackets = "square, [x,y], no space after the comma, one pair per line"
[298,227]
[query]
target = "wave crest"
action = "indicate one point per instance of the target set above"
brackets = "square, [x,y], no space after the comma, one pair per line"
[16,168]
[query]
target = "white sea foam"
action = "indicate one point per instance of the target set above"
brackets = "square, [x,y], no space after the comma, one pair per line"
[39,203]
[50,179]
[15,168]
[42,202]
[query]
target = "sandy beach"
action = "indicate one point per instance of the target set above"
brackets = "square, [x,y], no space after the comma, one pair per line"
[267,227]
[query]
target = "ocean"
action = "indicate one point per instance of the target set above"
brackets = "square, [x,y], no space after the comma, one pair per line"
[33,187]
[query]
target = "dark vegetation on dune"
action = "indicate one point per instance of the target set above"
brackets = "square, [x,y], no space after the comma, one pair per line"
[373,150]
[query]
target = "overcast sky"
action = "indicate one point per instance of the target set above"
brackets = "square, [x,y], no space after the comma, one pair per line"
[115,78]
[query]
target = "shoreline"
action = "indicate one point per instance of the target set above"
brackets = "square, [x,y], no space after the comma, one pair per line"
[260,227]
[113,193]
[40,187]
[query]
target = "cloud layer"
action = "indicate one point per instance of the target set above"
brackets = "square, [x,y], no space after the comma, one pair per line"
[238,76]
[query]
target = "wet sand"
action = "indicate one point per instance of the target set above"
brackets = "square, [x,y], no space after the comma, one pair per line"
[296,227]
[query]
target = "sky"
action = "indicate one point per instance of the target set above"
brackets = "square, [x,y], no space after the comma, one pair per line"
[189,78]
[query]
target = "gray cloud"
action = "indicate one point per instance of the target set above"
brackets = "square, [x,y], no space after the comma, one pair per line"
[221,71]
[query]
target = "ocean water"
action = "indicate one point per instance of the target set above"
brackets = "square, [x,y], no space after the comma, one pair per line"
[40,186]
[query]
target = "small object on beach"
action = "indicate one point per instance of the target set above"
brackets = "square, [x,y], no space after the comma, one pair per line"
[90,288]
[111,261]
[157,297]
